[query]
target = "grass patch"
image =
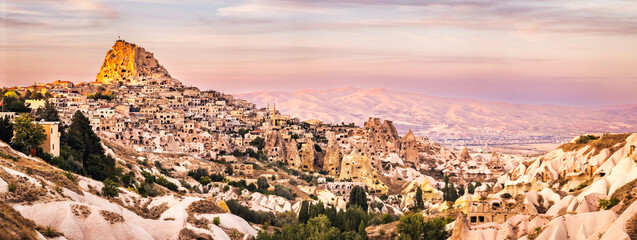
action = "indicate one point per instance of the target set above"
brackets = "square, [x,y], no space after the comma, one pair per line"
[625,193]
[606,141]
[13,226]
[49,231]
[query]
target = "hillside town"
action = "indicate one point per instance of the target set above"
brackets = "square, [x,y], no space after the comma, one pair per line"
[210,146]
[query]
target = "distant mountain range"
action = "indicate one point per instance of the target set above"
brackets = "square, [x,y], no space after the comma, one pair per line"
[451,120]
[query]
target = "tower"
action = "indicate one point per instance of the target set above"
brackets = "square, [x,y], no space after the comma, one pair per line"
[274,115]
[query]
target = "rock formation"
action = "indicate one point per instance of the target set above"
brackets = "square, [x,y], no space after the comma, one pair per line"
[275,145]
[293,159]
[357,167]
[383,137]
[410,149]
[465,156]
[307,156]
[130,64]
[332,160]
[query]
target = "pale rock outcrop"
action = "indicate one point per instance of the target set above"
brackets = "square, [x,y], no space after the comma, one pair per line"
[383,137]
[307,154]
[357,167]
[410,149]
[332,159]
[293,159]
[275,145]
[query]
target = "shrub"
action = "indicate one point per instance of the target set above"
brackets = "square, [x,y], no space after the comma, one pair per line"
[251,187]
[262,183]
[49,231]
[258,217]
[110,189]
[387,218]
[204,180]
[12,187]
[283,191]
[384,197]
[216,221]
[506,195]
[226,188]
[168,184]
[70,176]
[608,203]
[582,186]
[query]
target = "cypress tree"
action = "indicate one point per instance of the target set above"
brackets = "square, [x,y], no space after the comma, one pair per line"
[358,197]
[361,231]
[6,130]
[304,212]
[419,203]
[48,112]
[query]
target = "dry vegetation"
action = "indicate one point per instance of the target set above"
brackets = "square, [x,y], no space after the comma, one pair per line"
[14,226]
[111,217]
[607,140]
[142,210]
[41,169]
[20,189]
[382,231]
[204,206]
[627,194]
[189,234]
[81,211]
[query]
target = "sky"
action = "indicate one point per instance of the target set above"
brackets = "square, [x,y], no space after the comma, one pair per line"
[572,52]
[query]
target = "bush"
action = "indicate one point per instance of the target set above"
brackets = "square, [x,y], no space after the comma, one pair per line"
[204,180]
[608,203]
[216,221]
[168,184]
[12,187]
[70,176]
[582,186]
[110,189]
[226,188]
[262,183]
[283,191]
[217,177]
[251,187]
[258,217]
[387,218]
[197,174]
[506,195]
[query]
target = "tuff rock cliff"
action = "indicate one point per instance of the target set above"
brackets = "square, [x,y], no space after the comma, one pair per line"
[129,64]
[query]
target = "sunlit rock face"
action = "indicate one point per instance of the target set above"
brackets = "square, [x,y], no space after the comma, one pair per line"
[410,148]
[130,64]
[383,136]
[332,160]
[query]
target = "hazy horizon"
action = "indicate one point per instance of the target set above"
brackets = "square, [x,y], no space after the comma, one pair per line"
[568,53]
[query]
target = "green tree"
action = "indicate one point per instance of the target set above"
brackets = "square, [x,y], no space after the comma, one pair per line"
[304,212]
[262,183]
[361,231]
[411,226]
[320,228]
[28,135]
[358,196]
[6,130]
[471,188]
[110,189]
[243,131]
[48,112]
[82,138]
[258,142]
[434,229]
[419,202]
